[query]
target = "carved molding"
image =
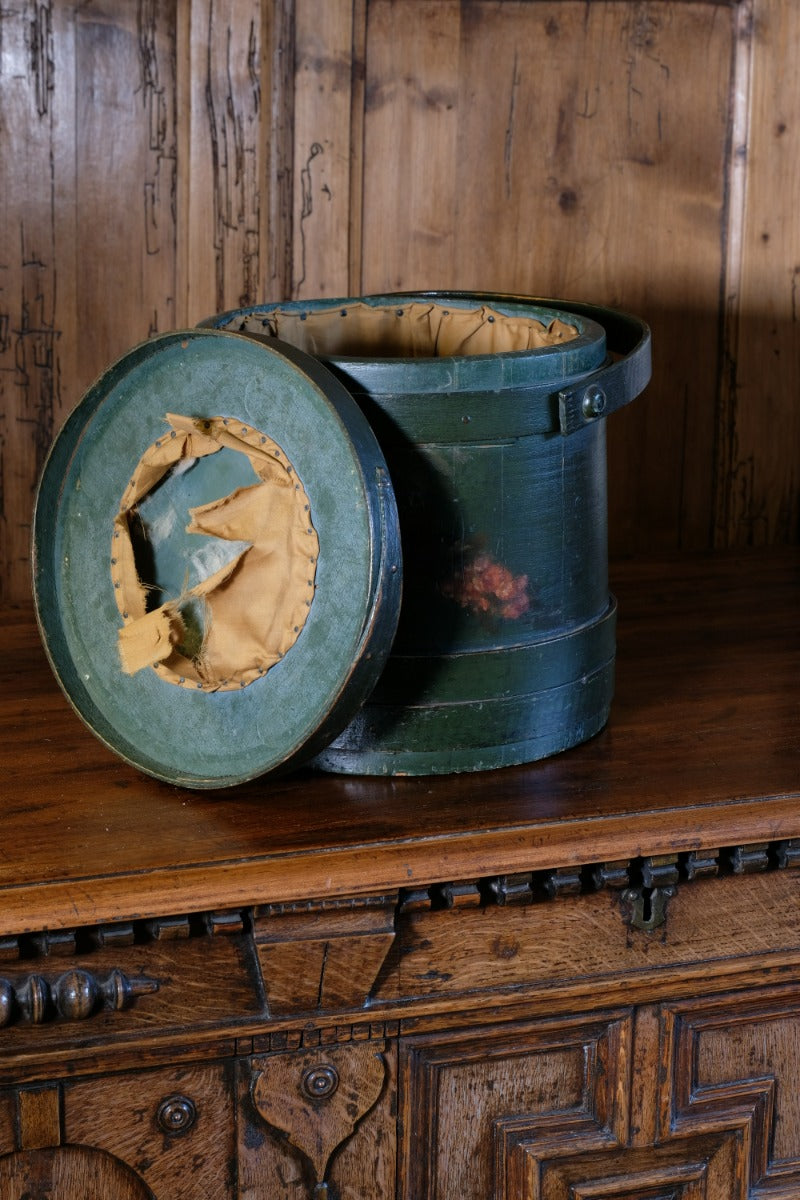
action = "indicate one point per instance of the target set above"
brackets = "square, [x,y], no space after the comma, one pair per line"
[317,1099]
[566,1107]
[726,1062]
[542,1086]
[325,955]
[706,1167]
[646,884]
[66,943]
[372,917]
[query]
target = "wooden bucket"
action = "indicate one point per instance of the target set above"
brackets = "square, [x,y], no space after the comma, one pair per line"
[505,648]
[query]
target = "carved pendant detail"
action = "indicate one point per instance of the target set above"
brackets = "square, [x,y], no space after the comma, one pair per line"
[318,1098]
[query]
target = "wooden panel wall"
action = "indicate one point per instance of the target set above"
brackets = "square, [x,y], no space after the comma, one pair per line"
[161,160]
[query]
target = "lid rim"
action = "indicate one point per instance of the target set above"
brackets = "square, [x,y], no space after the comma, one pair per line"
[57,598]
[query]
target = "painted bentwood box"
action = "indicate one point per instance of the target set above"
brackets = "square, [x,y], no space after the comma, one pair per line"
[369,533]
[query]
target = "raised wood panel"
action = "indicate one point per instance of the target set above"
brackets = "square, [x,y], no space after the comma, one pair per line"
[471,1103]
[69,1173]
[163,161]
[344,1137]
[741,1055]
[174,1128]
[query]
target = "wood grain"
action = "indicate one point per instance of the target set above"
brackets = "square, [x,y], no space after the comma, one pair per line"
[361,1165]
[515,1086]
[410,146]
[322,152]
[224,183]
[37,267]
[125,120]
[701,750]
[760,428]
[544,945]
[578,151]
[194,1161]
[164,161]
[70,1172]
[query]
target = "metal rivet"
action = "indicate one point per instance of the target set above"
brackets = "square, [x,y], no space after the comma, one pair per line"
[594,402]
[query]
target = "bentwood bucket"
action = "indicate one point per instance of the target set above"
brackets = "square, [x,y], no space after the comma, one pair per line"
[228,520]
[490,411]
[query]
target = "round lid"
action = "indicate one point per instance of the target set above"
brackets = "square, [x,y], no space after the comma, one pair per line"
[216,554]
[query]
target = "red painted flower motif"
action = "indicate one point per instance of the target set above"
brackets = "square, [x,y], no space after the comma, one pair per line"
[486,586]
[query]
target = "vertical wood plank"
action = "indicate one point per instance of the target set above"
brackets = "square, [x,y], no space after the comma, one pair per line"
[278,89]
[411,203]
[158,165]
[126,177]
[357,101]
[578,151]
[223,179]
[37,263]
[759,463]
[322,107]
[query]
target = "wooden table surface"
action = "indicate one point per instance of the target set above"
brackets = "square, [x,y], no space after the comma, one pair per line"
[702,750]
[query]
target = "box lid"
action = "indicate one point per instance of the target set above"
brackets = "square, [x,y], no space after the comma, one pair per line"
[217,570]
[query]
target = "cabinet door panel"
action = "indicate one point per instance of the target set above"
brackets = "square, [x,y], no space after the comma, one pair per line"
[737,1063]
[473,1104]
[174,1127]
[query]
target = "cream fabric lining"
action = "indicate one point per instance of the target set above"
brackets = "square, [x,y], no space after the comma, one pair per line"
[415,330]
[255,606]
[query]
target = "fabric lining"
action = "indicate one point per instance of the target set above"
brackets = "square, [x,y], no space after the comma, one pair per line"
[233,626]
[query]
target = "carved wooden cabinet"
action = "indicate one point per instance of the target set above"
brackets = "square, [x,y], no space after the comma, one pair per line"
[578,979]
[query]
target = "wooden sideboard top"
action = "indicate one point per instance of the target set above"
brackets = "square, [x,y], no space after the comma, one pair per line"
[702,750]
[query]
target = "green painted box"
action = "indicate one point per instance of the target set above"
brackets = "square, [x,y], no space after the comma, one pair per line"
[505,646]
[446,448]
